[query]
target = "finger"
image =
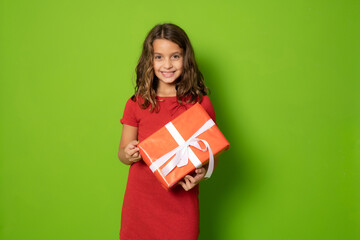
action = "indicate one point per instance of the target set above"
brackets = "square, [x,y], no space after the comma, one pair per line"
[130,146]
[198,178]
[200,170]
[136,159]
[186,180]
[134,142]
[187,176]
[194,180]
[190,178]
[183,185]
[189,183]
[131,152]
[200,175]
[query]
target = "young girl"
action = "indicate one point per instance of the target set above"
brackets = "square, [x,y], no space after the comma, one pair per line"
[168,83]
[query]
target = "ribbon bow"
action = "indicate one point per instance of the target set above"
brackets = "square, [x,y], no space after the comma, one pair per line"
[183,152]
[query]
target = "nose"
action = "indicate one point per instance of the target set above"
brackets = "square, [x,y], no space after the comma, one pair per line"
[168,63]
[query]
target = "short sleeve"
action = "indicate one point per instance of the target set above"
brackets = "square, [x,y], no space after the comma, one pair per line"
[207,105]
[129,117]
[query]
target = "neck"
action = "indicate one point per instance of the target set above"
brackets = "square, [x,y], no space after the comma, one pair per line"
[166,90]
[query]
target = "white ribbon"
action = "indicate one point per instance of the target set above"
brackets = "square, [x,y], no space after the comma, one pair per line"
[183,152]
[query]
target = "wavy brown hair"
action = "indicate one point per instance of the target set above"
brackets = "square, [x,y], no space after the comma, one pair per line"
[190,86]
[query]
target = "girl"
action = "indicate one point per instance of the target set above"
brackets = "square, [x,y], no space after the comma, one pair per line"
[168,82]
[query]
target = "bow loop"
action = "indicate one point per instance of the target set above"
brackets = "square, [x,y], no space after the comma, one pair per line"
[195,143]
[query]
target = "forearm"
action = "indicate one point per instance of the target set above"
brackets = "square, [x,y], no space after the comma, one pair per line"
[128,152]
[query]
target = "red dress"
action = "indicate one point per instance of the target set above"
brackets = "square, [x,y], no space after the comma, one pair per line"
[149,211]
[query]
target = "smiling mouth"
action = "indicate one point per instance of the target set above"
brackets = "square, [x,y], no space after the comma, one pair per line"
[168,74]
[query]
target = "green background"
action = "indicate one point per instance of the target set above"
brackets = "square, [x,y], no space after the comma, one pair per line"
[284,77]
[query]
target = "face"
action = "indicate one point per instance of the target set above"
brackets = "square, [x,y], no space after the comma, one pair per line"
[168,61]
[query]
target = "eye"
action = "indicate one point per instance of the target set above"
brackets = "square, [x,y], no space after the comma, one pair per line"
[157,57]
[176,56]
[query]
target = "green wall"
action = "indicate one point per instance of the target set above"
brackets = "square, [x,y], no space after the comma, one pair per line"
[284,77]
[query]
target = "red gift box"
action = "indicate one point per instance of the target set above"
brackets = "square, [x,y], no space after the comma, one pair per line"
[188,142]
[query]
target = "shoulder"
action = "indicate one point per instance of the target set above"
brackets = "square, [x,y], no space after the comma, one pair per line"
[207,105]
[134,101]
[205,100]
[131,104]
[130,115]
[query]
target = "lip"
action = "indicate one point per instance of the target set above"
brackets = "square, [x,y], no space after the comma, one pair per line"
[168,74]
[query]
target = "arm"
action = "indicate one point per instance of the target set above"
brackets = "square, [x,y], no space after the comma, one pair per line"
[128,151]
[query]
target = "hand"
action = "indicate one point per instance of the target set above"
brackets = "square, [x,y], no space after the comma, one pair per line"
[132,153]
[190,181]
